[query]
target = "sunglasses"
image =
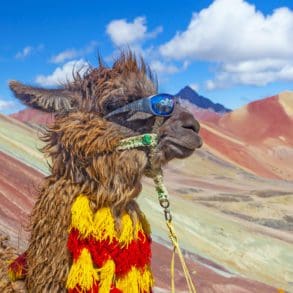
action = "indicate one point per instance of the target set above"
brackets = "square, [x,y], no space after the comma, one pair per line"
[158,105]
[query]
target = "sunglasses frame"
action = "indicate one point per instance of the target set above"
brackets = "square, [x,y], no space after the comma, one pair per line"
[141,105]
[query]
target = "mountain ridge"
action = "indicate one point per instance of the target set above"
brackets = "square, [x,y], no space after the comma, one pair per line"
[187,93]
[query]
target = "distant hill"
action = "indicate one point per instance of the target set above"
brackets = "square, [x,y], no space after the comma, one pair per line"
[187,93]
[33,117]
[257,137]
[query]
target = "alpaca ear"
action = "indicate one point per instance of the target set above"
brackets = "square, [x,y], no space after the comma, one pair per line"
[48,100]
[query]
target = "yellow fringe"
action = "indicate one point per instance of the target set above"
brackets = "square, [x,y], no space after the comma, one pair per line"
[15,275]
[127,234]
[136,281]
[106,276]
[12,275]
[103,225]
[82,216]
[82,272]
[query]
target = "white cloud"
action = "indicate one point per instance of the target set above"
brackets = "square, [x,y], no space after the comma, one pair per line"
[124,33]
[248,46]
[154,33]
[63,74]
[233,30]
[4,105]
[65,55]
[73,53]
[161,67]
[133,35]
[211,85]
[25,52]
[254,66]
[253,72]
[194,86]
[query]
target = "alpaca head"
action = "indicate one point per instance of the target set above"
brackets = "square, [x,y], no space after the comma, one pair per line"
[82,142]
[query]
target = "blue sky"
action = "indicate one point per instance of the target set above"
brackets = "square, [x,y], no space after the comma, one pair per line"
[232,51]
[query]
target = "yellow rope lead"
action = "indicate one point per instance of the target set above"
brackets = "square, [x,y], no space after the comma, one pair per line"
[176,246]
[173,271]
[165,204]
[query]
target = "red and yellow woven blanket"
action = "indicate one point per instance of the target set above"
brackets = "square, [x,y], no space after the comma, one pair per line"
[103,261]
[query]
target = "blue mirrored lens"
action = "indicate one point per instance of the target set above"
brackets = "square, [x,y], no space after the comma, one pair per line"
[162,104]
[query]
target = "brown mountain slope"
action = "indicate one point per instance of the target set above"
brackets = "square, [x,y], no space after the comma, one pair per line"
[18,184]
[33,117]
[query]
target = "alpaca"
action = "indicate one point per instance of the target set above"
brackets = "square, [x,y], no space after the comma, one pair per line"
[88,234]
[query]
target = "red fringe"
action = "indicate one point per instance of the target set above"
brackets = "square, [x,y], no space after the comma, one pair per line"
[94,289]
[18,268]
[137,253]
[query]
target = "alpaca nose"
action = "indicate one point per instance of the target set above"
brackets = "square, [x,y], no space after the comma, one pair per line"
[189,122]
[192,124]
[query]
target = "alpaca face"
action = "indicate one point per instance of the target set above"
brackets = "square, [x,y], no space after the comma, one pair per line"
[177,135]
[82,136]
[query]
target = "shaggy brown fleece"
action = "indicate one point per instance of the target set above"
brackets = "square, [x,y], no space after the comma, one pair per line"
[84,161]
[81,145]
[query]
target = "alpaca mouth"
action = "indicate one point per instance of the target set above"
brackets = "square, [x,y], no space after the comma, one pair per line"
[179,151]
[178,148]
[183,143]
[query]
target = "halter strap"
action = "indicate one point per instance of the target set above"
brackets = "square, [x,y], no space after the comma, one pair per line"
[151,140]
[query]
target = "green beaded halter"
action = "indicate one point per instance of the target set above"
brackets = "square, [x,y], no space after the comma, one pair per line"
[148,139]
[151,140]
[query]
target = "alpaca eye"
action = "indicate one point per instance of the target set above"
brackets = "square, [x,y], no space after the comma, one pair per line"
[109,106]
[112,105]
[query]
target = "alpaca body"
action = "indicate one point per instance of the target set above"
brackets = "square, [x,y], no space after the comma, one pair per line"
[91,255]
[117,177]
[87,232]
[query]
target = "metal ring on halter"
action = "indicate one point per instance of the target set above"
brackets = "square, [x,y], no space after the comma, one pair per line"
[164,203]
[168,216]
